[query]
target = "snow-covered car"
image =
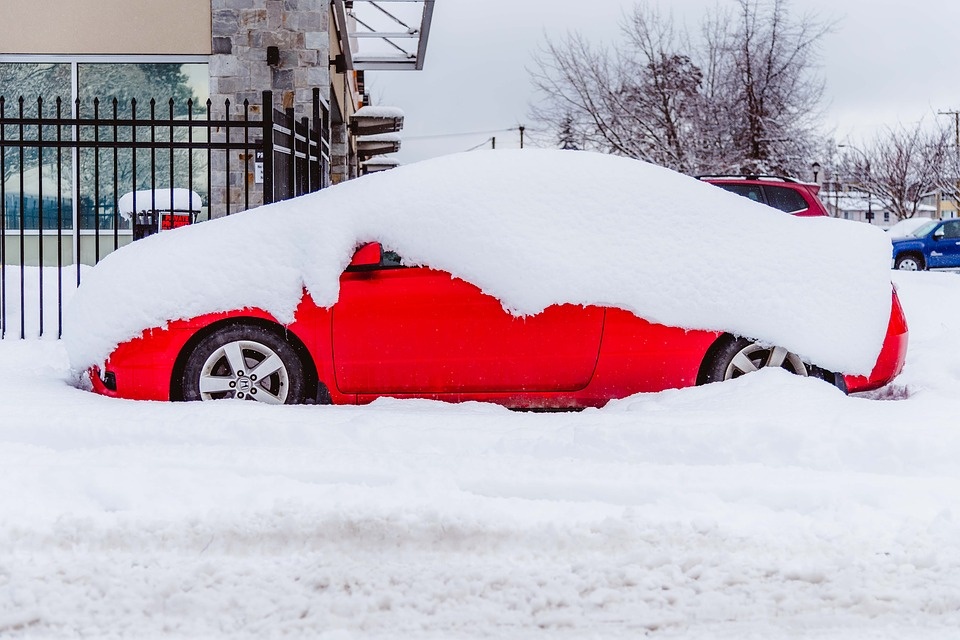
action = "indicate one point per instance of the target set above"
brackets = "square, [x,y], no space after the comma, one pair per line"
[530,279]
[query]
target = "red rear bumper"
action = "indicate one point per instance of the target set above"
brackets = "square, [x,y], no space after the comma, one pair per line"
[892,355]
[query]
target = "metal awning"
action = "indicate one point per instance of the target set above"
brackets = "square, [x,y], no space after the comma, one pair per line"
[383,34]
[372,120]
[378,163]
[369,146]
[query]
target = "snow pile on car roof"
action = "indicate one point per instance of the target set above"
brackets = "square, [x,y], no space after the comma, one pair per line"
[533,228]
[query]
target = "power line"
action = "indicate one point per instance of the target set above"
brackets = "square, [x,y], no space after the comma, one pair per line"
[483,144]
[464,133]
[956,122]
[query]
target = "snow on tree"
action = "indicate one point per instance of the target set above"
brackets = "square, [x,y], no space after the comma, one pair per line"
[901,164]
[743,96]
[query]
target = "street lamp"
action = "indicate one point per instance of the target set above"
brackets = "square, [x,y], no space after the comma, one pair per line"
[816,171]
[866,161]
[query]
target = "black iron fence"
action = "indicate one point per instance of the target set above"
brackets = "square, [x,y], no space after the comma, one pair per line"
[298,152]
[79,180]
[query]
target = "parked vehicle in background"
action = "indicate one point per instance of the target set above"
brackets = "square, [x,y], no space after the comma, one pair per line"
[786,194]
[935,245]
[907,226]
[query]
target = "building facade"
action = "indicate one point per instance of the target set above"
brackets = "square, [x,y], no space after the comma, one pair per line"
[311,54]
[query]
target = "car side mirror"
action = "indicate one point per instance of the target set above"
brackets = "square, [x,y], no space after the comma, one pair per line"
[367,256]
[938,234]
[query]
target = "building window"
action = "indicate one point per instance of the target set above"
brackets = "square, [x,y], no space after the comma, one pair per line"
[143,82]
[36,188]
[33,182]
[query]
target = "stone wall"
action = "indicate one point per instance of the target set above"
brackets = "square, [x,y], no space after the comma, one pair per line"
[241,31]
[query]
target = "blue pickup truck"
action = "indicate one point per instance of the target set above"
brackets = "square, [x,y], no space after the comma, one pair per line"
[935,245]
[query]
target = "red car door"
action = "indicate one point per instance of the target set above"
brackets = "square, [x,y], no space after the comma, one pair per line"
[413,330]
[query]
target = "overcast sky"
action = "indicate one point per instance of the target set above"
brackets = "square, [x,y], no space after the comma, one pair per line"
[886,61]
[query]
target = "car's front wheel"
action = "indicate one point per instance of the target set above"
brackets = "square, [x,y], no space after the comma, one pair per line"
[909,262]
[733,357]
[245,362]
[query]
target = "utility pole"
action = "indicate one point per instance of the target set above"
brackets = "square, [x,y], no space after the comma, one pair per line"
[955,196]
[956,123]
[866,159]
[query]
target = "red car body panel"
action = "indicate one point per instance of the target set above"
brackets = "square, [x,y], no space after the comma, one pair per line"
[460,340]
[414,332]
[892,354]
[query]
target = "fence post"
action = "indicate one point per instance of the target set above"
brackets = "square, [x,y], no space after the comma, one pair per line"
[316,164]
[246,154]
[3,223]
[40,205]
[291,122]
[22,202]
[267,106]
[226,151]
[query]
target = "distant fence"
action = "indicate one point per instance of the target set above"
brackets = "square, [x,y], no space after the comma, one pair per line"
[64,169]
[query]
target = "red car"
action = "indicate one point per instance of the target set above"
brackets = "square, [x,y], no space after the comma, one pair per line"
[786,194]
[417,332]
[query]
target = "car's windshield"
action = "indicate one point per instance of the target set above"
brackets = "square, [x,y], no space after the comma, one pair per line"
[924,229]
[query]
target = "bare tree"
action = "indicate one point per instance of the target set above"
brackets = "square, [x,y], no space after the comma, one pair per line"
[639,101]
[744,98]
[768,94]
[902,164]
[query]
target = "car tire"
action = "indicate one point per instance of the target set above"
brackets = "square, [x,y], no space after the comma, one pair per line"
[245,362]
[909,262]
[732,357]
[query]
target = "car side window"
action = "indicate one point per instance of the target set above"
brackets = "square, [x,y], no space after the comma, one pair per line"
[785,199]
[951,229]
[751,191]
[391,259]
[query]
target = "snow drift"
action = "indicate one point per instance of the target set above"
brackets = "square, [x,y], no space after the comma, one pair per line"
[532,228]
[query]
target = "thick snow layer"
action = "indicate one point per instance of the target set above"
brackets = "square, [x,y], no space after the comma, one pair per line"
[532,228]
[768,507]
[381,161]
[371,111]
[160,200]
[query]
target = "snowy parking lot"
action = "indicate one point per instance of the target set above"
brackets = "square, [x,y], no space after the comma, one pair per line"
[766,507]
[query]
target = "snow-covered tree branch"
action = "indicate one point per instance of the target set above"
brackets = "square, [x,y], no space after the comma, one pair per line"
[743,97]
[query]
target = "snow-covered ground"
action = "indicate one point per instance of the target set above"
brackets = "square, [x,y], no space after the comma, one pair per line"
[766,507]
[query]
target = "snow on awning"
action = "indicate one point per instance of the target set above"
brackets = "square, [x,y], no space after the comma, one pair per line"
[161,199]
[373,120]
[374,165]
[369,146]
[373,36]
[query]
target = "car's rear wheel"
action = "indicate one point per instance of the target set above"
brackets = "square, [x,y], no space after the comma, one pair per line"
[909,262]
[245,362]
[733,357]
